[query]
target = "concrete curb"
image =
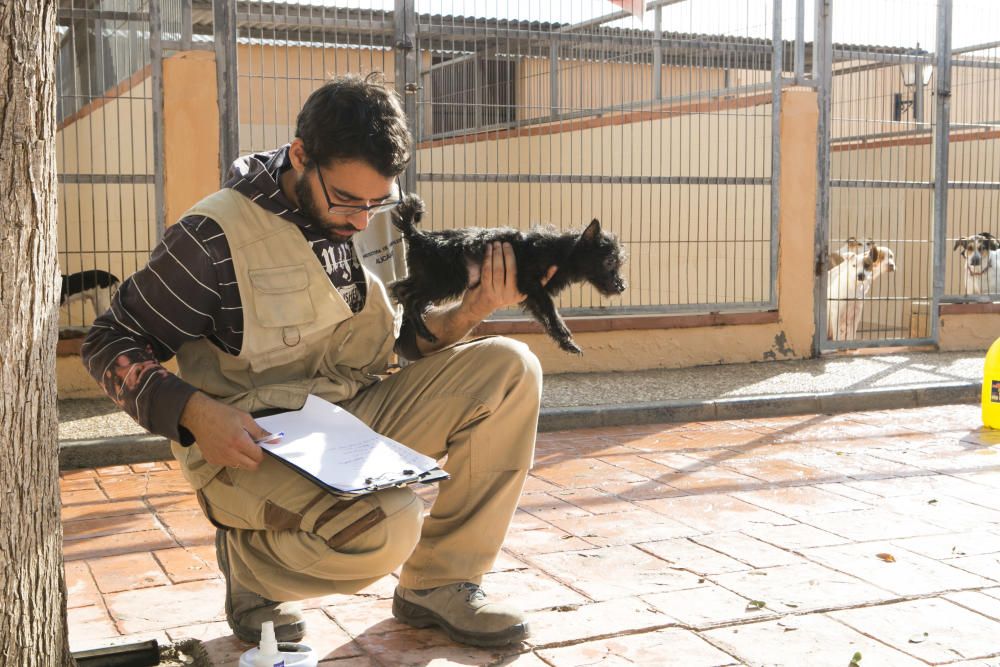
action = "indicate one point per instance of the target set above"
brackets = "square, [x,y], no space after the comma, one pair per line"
[143,448]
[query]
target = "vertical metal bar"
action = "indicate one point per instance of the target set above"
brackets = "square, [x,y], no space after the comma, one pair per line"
[224,14]
[554,79]
[185,25]
[800,41]
[941,131]
[777,54]
[407,76]
[918,93]
[823,74]
[156,52]
[658,54]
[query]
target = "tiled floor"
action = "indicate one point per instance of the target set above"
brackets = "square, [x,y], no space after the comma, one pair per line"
[790,541]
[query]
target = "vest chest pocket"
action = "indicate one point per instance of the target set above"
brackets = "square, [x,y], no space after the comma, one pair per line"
[281,299]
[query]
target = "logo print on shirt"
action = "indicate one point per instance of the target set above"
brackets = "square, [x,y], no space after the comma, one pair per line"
[339,263]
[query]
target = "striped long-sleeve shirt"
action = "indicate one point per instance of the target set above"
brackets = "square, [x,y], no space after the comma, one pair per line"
[188,291]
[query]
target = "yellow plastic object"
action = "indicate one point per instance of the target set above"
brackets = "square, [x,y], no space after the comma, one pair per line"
[991,387]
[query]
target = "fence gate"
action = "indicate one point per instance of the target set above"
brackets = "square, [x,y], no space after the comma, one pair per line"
[908,162]
[109,138]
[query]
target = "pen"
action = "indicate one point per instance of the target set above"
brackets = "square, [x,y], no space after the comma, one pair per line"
[269,438]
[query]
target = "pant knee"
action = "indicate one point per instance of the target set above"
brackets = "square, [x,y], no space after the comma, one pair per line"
[511,359]
[391,541]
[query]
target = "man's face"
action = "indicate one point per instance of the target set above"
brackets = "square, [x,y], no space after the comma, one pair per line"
[348,183]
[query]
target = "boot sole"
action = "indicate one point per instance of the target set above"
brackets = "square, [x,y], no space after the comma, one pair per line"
[420,617]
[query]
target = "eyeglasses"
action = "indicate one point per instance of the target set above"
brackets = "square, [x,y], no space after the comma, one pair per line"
[348,210]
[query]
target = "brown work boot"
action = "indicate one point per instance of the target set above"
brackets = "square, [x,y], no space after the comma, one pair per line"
[461,610]
[246,610]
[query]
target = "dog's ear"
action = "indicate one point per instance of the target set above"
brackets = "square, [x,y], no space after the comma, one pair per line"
[991,241]
[593,230]
[873,252]
[959,243]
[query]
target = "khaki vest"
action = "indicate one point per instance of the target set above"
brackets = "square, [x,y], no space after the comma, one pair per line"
[299,335]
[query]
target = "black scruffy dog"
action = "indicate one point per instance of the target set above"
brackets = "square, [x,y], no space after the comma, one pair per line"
[439,266]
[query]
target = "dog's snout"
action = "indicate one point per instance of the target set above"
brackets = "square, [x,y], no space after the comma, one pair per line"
[974,259]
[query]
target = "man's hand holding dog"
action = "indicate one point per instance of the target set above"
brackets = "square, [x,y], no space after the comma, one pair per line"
[491,287]
[225,435]
[494,285]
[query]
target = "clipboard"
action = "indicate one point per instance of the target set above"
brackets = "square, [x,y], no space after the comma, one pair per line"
[336,450]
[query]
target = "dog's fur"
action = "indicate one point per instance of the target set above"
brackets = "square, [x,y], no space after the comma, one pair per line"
[93,285]
[981,253]
[854,268]
[439,266]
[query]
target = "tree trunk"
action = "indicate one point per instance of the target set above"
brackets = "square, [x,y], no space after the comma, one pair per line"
[32,591]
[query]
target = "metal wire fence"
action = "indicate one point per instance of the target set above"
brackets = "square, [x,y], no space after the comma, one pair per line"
[662,126]
[527,114]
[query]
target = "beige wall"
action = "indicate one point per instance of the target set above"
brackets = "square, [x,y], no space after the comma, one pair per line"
[190,131]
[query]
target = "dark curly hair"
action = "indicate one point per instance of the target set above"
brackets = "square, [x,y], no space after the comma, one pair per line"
[351,118]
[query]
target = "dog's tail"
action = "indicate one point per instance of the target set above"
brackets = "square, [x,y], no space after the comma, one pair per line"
[408,214]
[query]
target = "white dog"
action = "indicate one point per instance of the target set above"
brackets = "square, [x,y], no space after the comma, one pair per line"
[848,283]
[981,253]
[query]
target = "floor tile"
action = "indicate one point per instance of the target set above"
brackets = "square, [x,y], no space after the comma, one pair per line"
[802,587]
[110,545]
[707,605]
[168,606]
[81,590]
[613,572]
[799,501]
[714,512]
[182,565]
[609,529]
[687,554]
[934,630]
[908,574]
[597,619]
[813,640]
[127,572]
[748,550]
[874,524]
[663,648]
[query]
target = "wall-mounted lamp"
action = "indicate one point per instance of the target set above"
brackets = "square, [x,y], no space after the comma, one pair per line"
[915,77]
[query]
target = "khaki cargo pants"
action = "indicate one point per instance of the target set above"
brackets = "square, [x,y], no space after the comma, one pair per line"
[476,403]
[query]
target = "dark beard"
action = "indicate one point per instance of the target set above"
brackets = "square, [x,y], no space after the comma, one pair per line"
[309,209]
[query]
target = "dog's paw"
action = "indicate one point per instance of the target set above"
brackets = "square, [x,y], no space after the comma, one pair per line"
[569,346]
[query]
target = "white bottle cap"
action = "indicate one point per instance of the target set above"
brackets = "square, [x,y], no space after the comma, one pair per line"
[268,644]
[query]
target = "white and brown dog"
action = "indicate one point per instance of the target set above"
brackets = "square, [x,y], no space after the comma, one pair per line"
[852,271]
[981,255]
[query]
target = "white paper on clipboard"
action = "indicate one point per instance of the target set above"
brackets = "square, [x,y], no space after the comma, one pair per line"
[340,451]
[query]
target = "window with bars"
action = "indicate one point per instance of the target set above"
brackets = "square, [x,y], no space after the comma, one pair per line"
[470,93]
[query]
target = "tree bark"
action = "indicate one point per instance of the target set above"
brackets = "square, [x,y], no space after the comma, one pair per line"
[32,590]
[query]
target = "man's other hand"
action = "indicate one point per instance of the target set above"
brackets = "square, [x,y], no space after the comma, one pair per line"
[224,434]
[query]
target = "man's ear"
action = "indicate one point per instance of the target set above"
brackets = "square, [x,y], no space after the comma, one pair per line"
[297,156]
[592,231]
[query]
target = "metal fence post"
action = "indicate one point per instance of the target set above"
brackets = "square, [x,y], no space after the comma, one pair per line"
[777,66]
[406,77]
[156,52]
[800,42]
[227,82]
[823,74]
[942,126]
